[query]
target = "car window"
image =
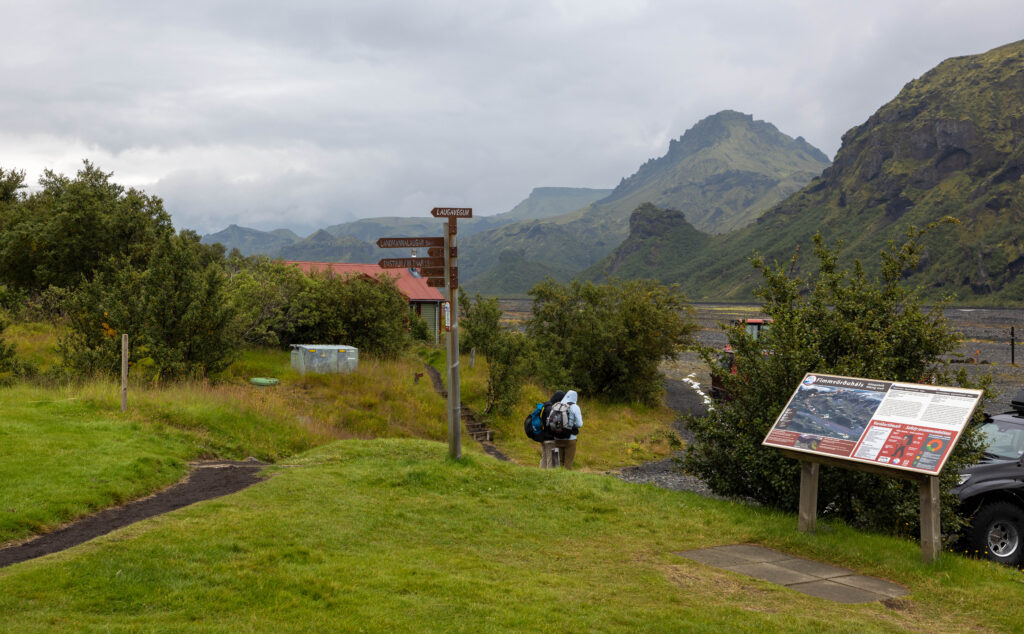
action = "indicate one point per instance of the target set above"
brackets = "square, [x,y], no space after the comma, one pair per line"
[1003,440]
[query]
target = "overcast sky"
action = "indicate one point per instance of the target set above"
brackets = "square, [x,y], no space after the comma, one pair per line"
[308,113]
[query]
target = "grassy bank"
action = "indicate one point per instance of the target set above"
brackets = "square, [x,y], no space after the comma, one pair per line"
[614,435]
[389,535]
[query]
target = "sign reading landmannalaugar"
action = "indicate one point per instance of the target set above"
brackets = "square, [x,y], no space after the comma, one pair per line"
[900,425]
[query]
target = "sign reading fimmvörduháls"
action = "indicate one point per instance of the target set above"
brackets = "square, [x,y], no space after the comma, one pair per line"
[905,426]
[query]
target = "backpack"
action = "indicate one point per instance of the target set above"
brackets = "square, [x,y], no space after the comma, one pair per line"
[558,421]
[534,425]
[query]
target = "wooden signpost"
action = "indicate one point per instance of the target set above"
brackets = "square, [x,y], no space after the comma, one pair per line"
[440,270]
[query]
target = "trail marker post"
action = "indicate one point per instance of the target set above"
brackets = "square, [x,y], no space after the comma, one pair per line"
[440,270]
[124,372]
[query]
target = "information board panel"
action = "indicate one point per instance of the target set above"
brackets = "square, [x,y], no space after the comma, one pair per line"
[900,425]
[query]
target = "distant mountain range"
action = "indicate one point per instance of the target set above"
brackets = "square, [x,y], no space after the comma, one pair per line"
[950,144]
[355,241]
[724,171]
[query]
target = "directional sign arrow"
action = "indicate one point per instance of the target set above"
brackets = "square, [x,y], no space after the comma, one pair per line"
[438,252]
[434,271]
[452,212]
[404,243]
[409,263]
[439,280]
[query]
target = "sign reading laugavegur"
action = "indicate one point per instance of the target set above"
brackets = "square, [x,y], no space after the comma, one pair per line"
[900,425]
[452,212]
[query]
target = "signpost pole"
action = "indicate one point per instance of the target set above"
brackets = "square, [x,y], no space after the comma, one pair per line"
[931,538]
[454,395]
[808,496]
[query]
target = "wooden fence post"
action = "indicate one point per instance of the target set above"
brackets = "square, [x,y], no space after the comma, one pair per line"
[124,372]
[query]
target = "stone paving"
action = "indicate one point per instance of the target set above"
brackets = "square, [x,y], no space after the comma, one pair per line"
[803,575]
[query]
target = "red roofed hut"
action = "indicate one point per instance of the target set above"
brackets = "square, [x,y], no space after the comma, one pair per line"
[423,300]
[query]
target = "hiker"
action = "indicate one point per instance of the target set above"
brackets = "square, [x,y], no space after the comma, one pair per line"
[564,440]
[544,413]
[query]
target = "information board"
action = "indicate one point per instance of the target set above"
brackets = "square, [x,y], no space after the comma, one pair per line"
[900,425]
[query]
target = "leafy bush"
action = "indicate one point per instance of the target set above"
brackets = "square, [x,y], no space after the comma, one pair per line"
[479,322]
[368,313]
[264,294]
[510,355]
[175,312]
[608,339]
[839,322]
[73,227]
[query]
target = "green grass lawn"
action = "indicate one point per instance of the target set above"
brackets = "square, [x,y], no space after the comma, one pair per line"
[390,535]
[355,533]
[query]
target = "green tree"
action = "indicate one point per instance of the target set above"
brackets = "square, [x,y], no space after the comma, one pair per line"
[264,294]
[175,311]
[479,322]
[840,322]
[510,355]
[368,313]
[72,228]
[609,339]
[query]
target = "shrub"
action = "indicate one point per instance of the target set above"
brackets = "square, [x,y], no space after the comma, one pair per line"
[175,312]
[608,339]
[839,322]
[368,313]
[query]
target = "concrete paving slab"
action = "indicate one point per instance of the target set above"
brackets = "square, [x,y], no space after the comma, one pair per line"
[814,568]
[714,557]
[773,573]
[873,584]
[838,592]
[803,575]
[752,553]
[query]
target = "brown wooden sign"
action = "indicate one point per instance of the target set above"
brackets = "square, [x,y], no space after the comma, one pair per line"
[432,271]
[409,263]
[406,243]
[438,252]
[438,281]
[452,212]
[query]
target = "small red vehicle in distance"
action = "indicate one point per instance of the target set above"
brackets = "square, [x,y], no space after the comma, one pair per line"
[755,328]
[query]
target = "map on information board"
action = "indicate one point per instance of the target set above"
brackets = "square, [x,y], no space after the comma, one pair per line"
[900,425]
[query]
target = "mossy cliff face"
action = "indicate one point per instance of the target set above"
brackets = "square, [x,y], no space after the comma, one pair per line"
[950,144]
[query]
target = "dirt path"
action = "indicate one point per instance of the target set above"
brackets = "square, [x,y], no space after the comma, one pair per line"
[207,480]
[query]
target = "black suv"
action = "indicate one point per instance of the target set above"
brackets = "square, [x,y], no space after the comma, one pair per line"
[992,491]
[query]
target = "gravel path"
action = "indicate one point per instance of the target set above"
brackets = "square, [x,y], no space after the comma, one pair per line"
[666,474]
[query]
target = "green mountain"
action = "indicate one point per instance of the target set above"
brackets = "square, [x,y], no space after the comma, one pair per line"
[355,241]
[548,202]
[324,247]
[659,240]
[251,241]
[950,144]
[722,173]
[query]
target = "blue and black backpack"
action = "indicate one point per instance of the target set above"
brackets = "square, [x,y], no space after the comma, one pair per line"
[534,425]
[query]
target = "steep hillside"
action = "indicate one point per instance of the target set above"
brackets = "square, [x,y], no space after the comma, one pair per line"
[252,241]
[951,143]
[548,202]
[722,173]
[660,241]
[323,247]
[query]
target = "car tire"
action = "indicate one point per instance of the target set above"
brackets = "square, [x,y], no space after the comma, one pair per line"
[998,533]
